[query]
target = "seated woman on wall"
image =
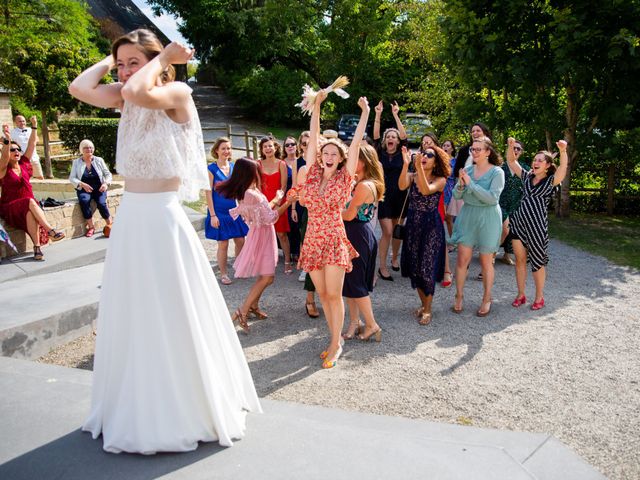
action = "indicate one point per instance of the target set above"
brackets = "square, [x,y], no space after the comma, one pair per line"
[18,206]
[91,178]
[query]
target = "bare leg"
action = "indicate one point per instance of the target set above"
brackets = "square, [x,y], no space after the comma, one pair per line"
[521,266]
[449,221]
[238,243]
[539,278]
[328,282]
[39,215]
[464,258]
[354,319]
[426,301]
[488,274]
[32,229]
[395,245]
[221,256]
[253,297]
[286,249]
[386,225]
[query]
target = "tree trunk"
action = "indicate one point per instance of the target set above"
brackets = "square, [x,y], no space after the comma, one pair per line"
[48,173]
[547,136]
[610,189]
[571,115]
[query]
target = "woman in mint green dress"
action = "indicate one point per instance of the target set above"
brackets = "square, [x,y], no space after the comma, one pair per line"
[479,223]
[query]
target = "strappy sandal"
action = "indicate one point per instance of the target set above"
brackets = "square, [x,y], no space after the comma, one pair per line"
[55,235]
[256,312]
[458,299]
[350,336]
[241,319]
[225,280]
[425,319]
[376,335]
[37,254]
[90,232]
[484,313]
[288,269]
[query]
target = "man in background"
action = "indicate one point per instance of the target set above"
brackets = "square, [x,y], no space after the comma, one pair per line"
[20,134]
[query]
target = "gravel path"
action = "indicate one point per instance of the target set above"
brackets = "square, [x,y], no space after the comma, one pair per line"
[570,370]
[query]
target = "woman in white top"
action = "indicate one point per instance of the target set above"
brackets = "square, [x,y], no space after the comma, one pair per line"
[169,370]
[91,178]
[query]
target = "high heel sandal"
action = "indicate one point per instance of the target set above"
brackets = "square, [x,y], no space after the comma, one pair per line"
[425,319]
[241,319]
[55,235]
[256,312]
[325,353]
[519,301]
[484,313]
[334,361]
[458,299]
[376,335]
[538,304]
[312,310]
[359,328]
[288,269]
[447,283]
[394,268]
[37,254]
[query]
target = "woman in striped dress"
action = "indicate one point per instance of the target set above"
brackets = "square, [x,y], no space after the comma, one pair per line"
[529,223]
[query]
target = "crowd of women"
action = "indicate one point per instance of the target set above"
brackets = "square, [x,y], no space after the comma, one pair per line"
[319,198]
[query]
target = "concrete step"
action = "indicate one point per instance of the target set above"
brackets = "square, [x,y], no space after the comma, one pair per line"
[45,405]
[43,311]
[69,254]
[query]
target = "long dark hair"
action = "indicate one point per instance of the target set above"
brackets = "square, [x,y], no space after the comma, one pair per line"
[246,172]
[276,146]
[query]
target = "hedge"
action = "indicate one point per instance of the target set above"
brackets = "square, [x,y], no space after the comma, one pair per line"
[103,132]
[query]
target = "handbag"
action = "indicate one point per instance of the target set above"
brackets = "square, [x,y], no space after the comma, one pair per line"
[399,228]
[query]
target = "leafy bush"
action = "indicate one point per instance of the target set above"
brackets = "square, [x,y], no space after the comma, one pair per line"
[103,132]
[272,94]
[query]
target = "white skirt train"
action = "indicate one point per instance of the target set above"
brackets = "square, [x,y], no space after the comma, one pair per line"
[169,370]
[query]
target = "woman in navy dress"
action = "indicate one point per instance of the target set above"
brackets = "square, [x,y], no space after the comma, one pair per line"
[219,225]
[424,247]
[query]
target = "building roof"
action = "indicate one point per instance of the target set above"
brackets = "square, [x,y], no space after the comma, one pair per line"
[117,17]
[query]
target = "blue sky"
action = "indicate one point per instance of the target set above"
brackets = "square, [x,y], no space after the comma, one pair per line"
[166,23]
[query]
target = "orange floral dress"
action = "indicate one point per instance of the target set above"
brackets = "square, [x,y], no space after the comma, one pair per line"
[325,242]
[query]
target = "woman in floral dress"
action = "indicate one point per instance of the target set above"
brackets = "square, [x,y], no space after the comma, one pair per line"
[326,252]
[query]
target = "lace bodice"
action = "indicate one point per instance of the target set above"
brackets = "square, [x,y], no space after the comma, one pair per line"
[152,146]
[255,209]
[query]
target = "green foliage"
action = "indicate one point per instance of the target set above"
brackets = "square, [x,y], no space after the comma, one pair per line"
[103,132]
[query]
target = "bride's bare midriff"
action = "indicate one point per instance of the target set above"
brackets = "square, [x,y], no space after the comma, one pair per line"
[158,185]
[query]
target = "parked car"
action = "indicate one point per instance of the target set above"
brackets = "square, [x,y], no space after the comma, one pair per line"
[346,127]
[416,125]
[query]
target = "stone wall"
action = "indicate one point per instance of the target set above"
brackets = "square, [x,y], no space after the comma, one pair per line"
[5,109]
[67,218]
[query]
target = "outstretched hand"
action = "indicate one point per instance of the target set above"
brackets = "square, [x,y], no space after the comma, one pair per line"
[395,108]
[5,131]
[562,145]
[177,54]
[406,155]
[363,103]
[34,122]
[378,108]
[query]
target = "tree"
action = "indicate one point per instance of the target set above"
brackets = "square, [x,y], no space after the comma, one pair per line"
[575,64]
[44,45]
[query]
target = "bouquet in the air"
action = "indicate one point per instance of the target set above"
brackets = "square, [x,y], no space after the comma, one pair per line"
[309,94]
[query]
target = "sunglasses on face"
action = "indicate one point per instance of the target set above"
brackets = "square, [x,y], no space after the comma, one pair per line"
[474,149]
[15,149]
[289,145]
[517,149]
[429,155]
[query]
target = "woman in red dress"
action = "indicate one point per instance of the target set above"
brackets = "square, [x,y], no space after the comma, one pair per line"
[326,252]
[18,206]
[274,178]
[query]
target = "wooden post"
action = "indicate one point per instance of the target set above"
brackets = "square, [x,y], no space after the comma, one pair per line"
[247,147]
[229,133]
[611,189]
[255,148]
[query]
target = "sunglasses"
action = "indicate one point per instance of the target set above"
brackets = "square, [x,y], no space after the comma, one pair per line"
[15,149]
[517,149]
[429,155]
[289,145]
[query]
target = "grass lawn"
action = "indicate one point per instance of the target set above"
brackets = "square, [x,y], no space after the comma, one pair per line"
[616,238]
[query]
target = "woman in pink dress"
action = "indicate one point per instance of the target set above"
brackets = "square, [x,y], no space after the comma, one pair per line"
[259,255]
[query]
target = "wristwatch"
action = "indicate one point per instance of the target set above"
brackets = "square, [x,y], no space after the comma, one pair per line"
[5,141]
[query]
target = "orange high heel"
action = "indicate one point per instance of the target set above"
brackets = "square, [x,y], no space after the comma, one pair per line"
[241,319]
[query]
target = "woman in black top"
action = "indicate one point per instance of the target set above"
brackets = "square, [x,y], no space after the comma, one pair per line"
[389,150]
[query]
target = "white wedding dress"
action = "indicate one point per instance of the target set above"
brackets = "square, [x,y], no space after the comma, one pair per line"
[169,370]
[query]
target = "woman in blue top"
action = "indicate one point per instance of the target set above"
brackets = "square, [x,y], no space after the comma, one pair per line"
[219,225]
[479,223]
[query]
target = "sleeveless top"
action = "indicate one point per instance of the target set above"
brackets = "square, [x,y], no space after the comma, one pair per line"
[151,146]
[366,211]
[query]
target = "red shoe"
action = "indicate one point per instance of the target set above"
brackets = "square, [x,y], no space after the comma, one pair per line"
[90,232]
[447,283]
[519,301]
[538,305]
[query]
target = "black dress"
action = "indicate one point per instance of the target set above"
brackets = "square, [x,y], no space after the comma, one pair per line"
[391,206]
[423,248]
[359,281]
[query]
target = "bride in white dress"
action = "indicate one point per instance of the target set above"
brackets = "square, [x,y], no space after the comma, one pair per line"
[169,370]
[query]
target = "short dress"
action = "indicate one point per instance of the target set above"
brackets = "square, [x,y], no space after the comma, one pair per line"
[259,256]
[530,222]
[423,248]
[479,223]
[510,198]
[294,232]
[359,281]
[271,183]
[325,241]
[229,228]
[391,206]
[16,195]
